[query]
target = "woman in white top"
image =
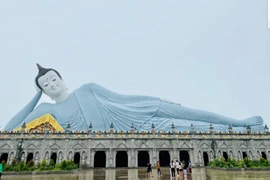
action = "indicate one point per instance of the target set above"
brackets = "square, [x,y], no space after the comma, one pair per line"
[172,166]
[177,165]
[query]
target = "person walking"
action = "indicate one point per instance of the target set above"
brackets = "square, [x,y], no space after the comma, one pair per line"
[185,166]
[177,165]
[181,168]
[158,168]
[189,167]
[148,169]
[172,166]
[151,173]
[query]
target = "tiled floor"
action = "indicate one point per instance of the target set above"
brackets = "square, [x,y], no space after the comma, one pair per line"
[140,174]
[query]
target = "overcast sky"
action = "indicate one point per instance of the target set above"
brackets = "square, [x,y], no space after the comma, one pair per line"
[205,54]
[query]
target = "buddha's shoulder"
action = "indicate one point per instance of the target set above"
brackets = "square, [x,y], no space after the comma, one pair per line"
[52,106]
[44,107]
[91,87]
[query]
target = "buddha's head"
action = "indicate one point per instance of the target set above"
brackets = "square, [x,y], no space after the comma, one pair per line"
[50,82]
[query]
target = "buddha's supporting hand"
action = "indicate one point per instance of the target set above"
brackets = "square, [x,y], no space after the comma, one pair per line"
[37,88]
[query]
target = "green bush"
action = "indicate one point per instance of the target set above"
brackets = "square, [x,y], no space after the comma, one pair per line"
[30,163]
[43,165]
[71,165]
[51,162]
[51,165]
[64,165]
[241,164]
[8,168]
[232,163]
[22,166]
[263,162]
[58,166]
[13,163]
[248,162]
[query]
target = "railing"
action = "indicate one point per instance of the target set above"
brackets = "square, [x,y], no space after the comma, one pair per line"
[133,135]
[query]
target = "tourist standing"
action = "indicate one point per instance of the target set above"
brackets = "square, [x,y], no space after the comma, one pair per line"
[151,173]
[185,166]
[172,166]
[148,169]
[189,167]
[158,168]
[181,168]
[177,165]
[1,169]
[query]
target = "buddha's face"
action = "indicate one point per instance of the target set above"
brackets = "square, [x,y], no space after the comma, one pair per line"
[51,84]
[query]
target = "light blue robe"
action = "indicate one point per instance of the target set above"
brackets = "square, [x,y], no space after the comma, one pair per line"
[95,104]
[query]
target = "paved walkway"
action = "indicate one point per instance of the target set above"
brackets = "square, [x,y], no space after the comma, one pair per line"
[140,174]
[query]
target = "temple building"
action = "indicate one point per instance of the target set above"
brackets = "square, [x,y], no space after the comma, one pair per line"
[131,148]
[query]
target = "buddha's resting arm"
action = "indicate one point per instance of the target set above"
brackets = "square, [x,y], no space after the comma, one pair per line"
[20,116]
[40,110]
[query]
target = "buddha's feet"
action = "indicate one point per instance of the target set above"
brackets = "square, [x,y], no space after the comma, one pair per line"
[253,121]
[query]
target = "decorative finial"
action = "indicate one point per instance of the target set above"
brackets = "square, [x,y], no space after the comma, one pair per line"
[90,126]
[192,128]
[173,126]
[68,126]
[248,129]
[266,129]
[46,125]
[230,129]
[24,125]
[132,126]
[153,126]
[211,129]
[111,126]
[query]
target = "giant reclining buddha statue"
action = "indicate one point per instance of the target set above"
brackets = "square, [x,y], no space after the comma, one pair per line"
[92,103]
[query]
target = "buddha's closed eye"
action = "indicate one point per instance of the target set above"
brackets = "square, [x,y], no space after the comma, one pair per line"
[45,84]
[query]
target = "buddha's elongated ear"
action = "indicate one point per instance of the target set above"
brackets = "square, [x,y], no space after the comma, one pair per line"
[37,88]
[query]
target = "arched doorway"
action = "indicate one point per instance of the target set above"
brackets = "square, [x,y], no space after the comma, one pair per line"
[100,159]
[53,157]
[121,159]
[77,158]
[205,158]
[164,158]
[264,155]
[184,156]
[143,158]
[244,155]
[29,157]
[4,157]
[225,155]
